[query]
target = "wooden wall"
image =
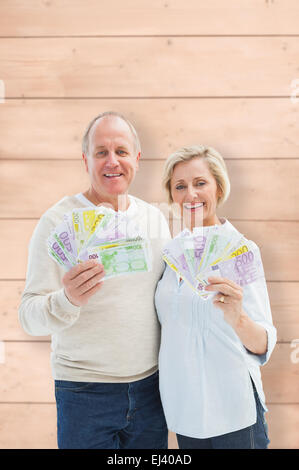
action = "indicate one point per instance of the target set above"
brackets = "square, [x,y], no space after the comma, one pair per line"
[214,72]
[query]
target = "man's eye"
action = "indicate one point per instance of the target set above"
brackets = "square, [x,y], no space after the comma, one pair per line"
[122,152]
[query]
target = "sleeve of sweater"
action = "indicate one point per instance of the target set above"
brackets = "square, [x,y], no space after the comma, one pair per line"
[44,309]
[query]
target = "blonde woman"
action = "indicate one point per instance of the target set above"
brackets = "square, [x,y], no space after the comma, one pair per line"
[211,350]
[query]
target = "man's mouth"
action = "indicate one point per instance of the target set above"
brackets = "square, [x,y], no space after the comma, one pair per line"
[112,175]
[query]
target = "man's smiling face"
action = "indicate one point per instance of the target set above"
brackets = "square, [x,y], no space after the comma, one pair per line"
[112,161]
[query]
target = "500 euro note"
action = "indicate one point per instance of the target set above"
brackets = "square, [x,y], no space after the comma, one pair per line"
[242,269]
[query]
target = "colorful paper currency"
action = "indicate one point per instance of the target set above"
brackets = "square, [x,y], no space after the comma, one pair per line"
[123,257]
[100,234]
[196,256]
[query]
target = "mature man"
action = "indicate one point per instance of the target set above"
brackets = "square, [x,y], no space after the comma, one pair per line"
[105,334]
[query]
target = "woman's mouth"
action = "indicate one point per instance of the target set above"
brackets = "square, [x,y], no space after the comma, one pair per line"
[193,207]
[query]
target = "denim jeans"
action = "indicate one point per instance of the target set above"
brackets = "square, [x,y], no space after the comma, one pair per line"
[252,437]
[110,415]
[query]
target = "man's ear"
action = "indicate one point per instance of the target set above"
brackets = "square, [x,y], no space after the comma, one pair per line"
[137,161]
[85,159]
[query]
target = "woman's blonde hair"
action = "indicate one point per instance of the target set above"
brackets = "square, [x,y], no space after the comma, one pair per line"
[215,164]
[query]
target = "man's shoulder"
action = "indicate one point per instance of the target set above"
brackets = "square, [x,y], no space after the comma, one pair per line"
[61,207]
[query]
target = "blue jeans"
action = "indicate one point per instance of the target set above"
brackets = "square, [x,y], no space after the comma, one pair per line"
[252,437]
[110,415]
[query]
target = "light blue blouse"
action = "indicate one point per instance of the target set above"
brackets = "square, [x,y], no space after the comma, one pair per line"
[205,370]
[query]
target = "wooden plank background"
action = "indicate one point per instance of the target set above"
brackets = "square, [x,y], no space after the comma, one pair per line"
[183,72]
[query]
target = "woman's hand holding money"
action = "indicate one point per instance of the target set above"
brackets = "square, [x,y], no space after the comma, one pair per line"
[82,281]
[229,298]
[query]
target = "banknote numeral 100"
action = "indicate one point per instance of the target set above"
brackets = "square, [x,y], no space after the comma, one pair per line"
[94,256]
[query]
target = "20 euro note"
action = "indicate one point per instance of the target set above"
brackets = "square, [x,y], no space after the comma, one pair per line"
[125,257]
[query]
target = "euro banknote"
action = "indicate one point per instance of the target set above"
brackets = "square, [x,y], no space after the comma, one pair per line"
[195,256]
[100,234]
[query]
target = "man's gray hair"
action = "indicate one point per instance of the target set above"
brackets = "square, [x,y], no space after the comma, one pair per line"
[85,142]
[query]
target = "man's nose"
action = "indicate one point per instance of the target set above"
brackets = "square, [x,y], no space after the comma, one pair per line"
[112,160]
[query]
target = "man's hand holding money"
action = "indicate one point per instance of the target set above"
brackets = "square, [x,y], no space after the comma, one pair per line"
[82,281]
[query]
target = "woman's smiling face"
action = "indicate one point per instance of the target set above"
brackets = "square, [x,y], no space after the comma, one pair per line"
[195,189]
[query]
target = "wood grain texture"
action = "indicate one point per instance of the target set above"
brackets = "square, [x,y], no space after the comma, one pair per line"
[129,67]
[238,128]
[280,375]
[284,307]
[26,373]
[28,426]
[283,299]
[115,17]
[41,183]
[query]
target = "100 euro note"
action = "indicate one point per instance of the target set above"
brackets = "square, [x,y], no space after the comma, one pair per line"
[123,257]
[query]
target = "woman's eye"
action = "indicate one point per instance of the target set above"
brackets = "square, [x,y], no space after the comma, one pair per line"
[200,183]
[180,186]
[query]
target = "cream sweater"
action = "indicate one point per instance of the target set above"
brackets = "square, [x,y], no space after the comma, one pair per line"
[116,336]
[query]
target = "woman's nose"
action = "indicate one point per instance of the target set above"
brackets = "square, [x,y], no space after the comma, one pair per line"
[191,194]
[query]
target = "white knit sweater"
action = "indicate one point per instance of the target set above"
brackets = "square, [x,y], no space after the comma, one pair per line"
[116,336]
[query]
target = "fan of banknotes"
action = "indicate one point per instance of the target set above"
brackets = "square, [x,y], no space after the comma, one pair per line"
[103,235]
[213,251]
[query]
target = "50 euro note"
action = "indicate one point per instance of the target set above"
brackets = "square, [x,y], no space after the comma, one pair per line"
[122,257]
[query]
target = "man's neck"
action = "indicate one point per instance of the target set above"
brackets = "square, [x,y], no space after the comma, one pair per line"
[120,202]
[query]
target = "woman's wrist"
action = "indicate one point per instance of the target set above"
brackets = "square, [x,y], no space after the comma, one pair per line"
[253,336]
